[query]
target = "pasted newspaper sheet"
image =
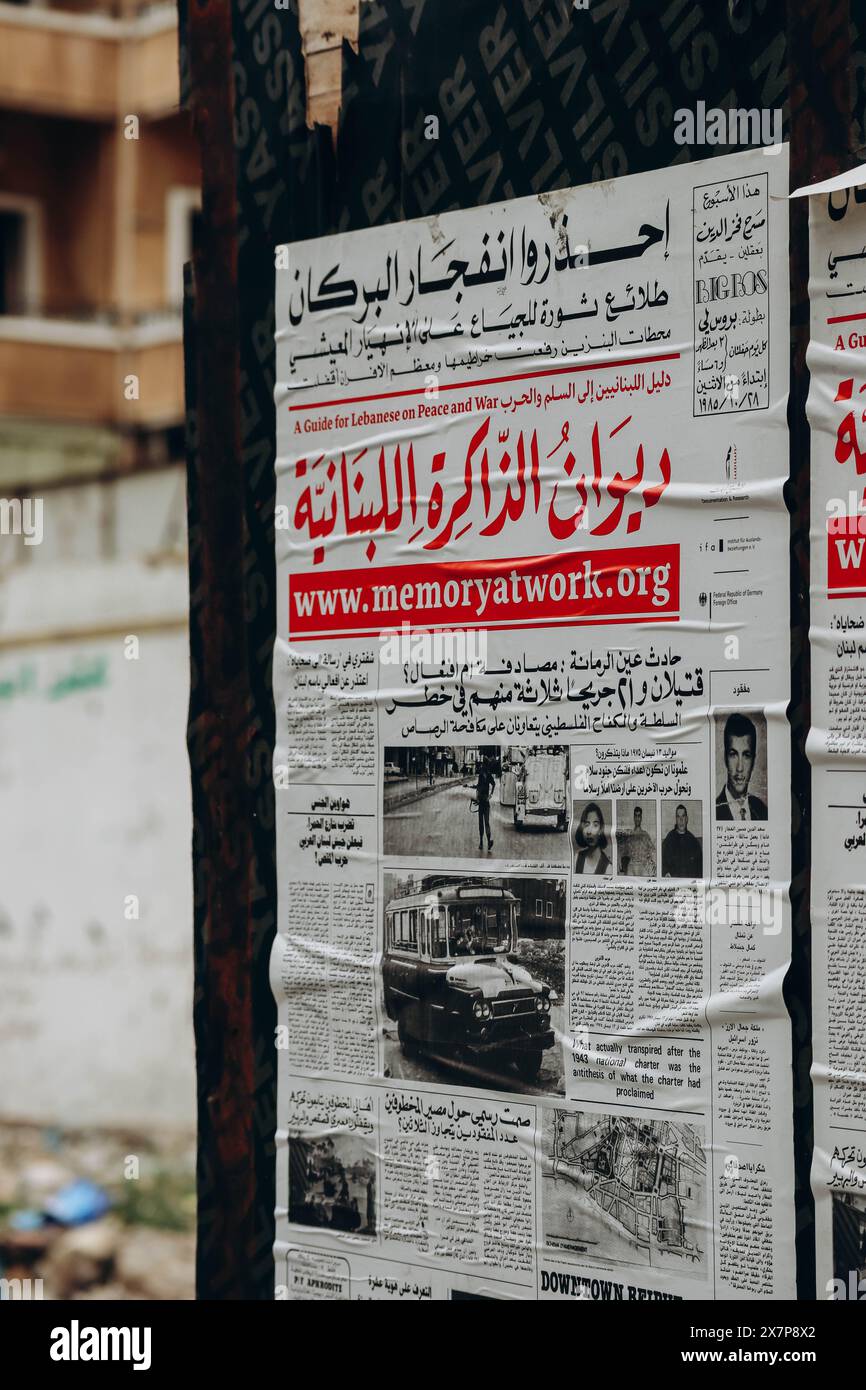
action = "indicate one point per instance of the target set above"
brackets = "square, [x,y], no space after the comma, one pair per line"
[837,741]
[532,762]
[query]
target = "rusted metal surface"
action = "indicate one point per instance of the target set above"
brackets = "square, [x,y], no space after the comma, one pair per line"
[233,1249]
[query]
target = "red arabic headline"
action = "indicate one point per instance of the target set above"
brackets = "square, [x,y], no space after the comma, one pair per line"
[383,490]
[846,546]
[601,586]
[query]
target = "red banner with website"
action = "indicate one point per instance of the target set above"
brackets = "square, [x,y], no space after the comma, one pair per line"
[582,586]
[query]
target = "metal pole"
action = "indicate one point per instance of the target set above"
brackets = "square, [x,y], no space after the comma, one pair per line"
[229,1263]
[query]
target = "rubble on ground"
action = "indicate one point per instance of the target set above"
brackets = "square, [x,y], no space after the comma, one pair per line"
[96,1215]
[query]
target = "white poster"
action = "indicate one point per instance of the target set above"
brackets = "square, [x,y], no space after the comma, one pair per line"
[532,759]
[837,742]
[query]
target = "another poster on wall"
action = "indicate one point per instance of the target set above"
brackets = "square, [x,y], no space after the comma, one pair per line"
[837,740]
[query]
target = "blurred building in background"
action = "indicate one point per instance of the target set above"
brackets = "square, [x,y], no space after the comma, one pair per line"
[98,194]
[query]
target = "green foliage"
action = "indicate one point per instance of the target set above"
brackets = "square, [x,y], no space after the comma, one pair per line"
[545,960]
[165,1200]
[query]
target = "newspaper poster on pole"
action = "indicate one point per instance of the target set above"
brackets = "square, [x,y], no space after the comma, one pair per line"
[532,759]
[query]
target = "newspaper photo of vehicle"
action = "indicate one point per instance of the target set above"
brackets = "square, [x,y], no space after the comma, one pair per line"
[473,980]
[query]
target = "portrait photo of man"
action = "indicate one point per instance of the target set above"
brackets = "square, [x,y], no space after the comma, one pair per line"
[740,752]
[682,850]
[636,839]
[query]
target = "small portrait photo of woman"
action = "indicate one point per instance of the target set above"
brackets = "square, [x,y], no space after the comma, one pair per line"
[590,839]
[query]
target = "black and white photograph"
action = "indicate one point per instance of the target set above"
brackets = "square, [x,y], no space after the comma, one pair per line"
[473,980]
[625,1190]
[593,838]
[849,1243]
[682,839]
[741,766]
[636,832]
[332,1182]
[487,801]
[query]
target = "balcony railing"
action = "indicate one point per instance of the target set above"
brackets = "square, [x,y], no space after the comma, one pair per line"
[96,370]
[95,63]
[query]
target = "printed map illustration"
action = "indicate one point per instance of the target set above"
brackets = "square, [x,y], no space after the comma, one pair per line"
[627,1189]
